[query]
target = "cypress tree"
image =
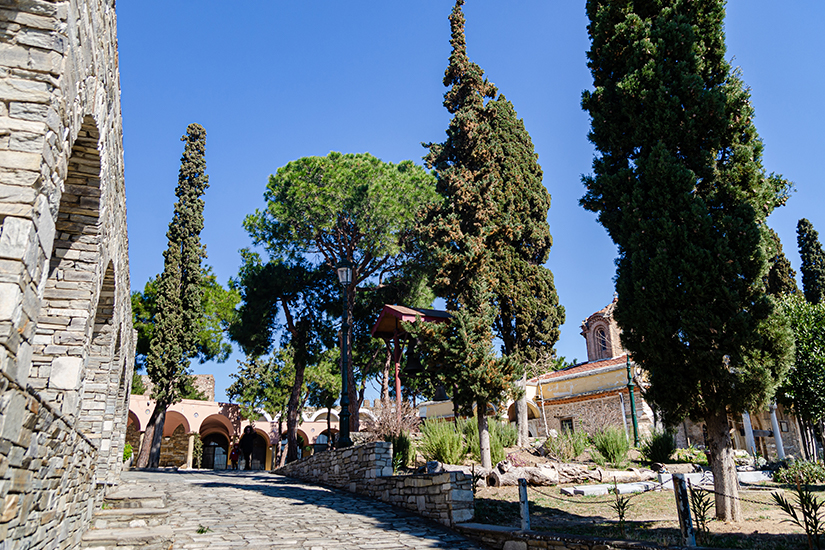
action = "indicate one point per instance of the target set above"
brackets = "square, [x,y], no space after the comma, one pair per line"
[781,276]
[179,313]
[679,185]
[813,261]
[455,233]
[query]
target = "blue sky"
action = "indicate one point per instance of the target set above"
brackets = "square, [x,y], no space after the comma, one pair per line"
[274,81]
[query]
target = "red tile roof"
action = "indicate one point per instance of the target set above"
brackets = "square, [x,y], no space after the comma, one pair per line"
[582,367]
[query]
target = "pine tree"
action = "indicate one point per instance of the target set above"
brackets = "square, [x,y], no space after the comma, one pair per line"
[179,313]
[679,185]
[781,279]
[813,261]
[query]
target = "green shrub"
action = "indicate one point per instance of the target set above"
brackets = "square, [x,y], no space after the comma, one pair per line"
[506,433]
[441,442]
[658,446]
[612,446]
[808,472]
[469,427]
[403,449]
[567,446]
[127,452]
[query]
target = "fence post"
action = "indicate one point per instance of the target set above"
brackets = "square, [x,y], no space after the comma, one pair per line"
[523,506]
[683,509]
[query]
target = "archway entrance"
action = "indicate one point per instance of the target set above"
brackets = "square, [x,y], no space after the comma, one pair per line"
[215,450]
[259,453]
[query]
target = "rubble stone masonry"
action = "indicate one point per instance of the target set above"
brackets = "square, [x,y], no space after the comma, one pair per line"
[66,337]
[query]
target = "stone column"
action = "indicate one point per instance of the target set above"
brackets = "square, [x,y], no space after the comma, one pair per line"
[777,433]
[750,442]
[190,451]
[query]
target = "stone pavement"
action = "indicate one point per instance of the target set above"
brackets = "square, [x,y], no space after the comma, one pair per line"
[261,510]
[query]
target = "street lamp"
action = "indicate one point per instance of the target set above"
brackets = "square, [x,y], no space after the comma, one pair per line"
[630,386]
[344,270]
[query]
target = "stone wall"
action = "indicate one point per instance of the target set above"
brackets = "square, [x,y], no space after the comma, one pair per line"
[205,383]
[591,413]
[174,448]
[367,470]
[66,337]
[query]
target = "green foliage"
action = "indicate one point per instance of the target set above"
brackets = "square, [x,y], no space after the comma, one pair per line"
[659,446]
[781,280]
[504,432]
[440,441]
[813,261]
[403,450]
[701,504]
[501,436]
[804,387]
[679,185]
[612,446]
[691,455]
[567,446]
[203,530]
[127,452]
[806,472]
[218,309]
[350,207]
[621,506]
[811,508]
[263,383]
[138,388]
[197,451]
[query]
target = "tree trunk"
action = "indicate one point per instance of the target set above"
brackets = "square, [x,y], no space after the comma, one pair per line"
[534,476]
[801,426]
[329,429]
[282,455]
[483,435]
[543,408]
[521,416]
[149,455]
[292,414]
[725,481]
[385,379]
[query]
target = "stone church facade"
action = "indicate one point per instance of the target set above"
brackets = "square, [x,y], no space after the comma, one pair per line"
[66,337]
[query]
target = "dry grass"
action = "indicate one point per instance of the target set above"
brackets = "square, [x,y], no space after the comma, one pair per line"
[651,517]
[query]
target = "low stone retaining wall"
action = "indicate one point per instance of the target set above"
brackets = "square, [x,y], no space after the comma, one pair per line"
[367,470]
[509,538]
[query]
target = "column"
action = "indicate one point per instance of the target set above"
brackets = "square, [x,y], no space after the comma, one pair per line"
[750,442]
[190,451]
[777,433]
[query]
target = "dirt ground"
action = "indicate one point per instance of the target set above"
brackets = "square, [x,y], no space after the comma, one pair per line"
[651,516]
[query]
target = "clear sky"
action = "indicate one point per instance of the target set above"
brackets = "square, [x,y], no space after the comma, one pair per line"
[272,81]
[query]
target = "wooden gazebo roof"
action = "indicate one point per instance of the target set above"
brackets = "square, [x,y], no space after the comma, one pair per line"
[389,321]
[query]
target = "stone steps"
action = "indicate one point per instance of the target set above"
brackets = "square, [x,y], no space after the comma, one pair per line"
[117,518]
[133,518]
[144,538]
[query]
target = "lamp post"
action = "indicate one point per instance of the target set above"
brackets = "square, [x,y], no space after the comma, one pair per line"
[344,270]
[630,386]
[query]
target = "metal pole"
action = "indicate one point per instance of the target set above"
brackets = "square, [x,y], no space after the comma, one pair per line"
[630,386]
[343,421]
[523,505]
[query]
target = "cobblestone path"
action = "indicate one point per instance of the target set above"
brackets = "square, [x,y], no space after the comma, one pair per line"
[262,510]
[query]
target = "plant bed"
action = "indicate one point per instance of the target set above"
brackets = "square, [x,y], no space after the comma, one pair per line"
[651,517]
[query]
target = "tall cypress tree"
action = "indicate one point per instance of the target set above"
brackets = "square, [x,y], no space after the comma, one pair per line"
[455,232]
[813,261]
[179,301]
[781,276]
[679,185]
[488,238]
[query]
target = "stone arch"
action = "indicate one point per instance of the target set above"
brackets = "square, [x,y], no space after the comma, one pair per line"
[321,416]
[173,420]
[134,420]
[532,411]
[217,423]
[66,309]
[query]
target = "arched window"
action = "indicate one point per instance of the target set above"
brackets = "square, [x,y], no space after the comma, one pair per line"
[601,342]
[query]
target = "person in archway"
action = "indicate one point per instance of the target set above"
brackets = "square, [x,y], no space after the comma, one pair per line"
[235,456]
[247,443]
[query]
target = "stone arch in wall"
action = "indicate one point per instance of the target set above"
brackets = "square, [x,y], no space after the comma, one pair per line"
[66,308]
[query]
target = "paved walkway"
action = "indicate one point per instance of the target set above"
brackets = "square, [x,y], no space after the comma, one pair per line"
[262,510]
